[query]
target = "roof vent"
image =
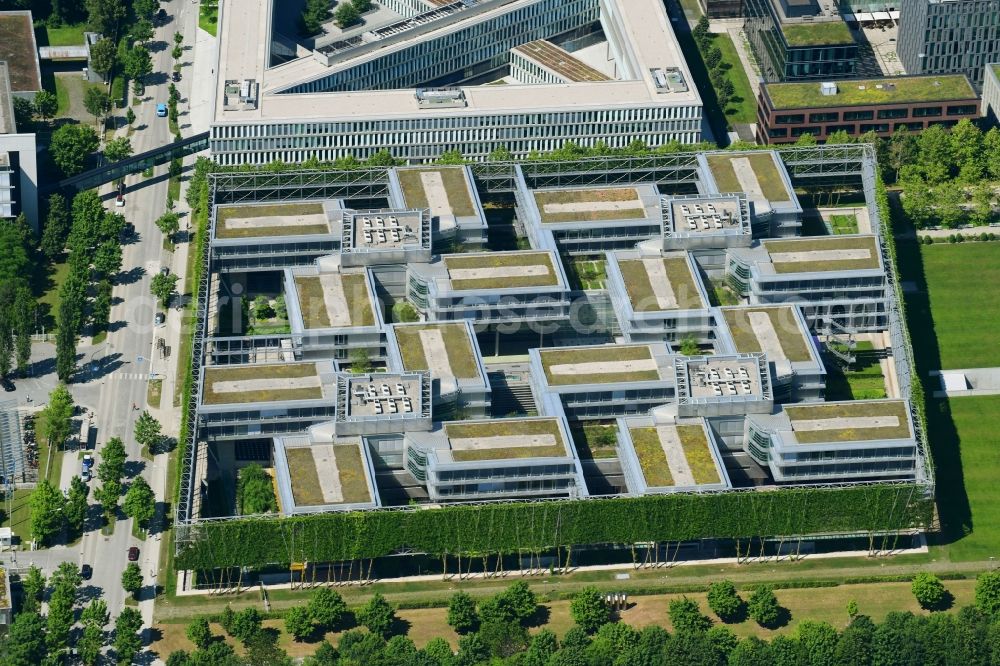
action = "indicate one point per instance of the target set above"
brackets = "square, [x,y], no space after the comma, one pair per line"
[828,88]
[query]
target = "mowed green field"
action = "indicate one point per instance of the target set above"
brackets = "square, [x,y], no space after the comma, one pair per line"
[962,281]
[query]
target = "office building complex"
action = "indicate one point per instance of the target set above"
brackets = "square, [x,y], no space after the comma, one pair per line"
[946,37]
[796,40]
[586,71]
[391,374]
[20,76]
[786,111]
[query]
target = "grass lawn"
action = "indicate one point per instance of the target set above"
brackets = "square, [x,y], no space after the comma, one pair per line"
[864,381]
[652,460]
[270,372]
[692,9]
[720,294]
[494,261]
[224,214]
[698,456]
[742,107]
[456,188]
[844,224]
[790,337]
[46,284]
[506,428]
[916,89]
[351,470]
[850,411]
[154,392]
[586,274]
[208,19]
[640,288]
[595,440]
[174,188]
[67,35]
[806,264]
[818,33]
[764,169]
[306,490]
[461,358]
[613,194]
[601,354]
[964,314]
[19,519]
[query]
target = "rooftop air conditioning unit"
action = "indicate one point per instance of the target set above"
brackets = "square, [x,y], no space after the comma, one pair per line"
[828,88]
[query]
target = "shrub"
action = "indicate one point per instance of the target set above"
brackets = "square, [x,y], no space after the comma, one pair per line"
[686,616]
[724,600]
[462,615]
[763,606]
[928,590]
[988,593]
[326,607]
[298,623]
[118,96]
[589,610]
[378,616]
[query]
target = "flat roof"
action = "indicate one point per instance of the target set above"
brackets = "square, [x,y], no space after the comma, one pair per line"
[496,270]
[855,421]
[705,216]
[326,473]
[382,230]
[754,173]
[773,330]
[383,395]
[674,455]
[227,385]
[599,364]
[559,61]
[502,439]
[446,191]
[823,253]
[262,220]
[17,47]
[723,377]
[443,349]
[334,300]
[590,204]
[244,47]
[817,33]
[6,101]
[870,92]
[659,283]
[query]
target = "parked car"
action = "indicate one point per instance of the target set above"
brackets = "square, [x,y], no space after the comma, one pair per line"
[164,270]
[176,76]
[119,201]
[159,319]
[86,571]
[85,474]
[133,554]
[8,385]
[161,110]
[88,460]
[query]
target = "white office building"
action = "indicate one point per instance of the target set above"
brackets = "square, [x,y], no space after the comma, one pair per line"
[409,85]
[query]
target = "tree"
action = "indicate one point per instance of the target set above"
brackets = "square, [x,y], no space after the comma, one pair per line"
[118,149]
[71,145]
[314,14]
[818,642]
[255,491]
[113,458]
[57,226]
[763,606]
[589,609]
[24,112]
[326,607]
[988,593]
[90,644]
[403,311]
[33,589]
[750,651]
[65,345]
[127,641]
[199,633]
[138,64]
[108,258]
[685,615]
[928,590]
[102,56]
[142,31]
[522,600]
[326,655]
[108,495]
[25,644]
[176,52]
[346,15]
[362,5]
[378,615]
[178,38]
[104,16]
[23,315]
[713,57]
[462,615]
[132,578]
[361,364]
[76,505]
[145,8]
[724,600]
[97,103]
[140,502]
[298,623]
[46,104]
[47,505]
[96,612]
[147,430]
[164,287]
[689,347]
[246,624]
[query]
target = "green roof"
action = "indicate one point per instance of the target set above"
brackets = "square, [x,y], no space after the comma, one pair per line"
[865,92]
[819,33]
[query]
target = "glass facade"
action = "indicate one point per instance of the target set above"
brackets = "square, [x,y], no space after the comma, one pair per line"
[949,37]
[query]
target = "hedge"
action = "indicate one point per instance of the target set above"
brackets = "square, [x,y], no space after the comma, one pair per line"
[534,526]
[118,91]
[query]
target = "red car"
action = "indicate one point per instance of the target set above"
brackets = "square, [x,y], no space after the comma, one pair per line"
[133,554]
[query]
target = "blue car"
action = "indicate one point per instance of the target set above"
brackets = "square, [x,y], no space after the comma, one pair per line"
[161,110]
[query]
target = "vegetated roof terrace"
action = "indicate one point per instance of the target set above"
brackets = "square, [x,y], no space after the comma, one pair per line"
[444,190]
[774,330]
[560,61]
[261,383]
[661,283]
[674,455]
[443,349]
[505,438]
[817,33]
[731,171]
[285,219]
[600,364]
[856,421]
[17,47]
[327,474]
[334,300]
[589,204]
[869,92]
[496,270]
[824,253]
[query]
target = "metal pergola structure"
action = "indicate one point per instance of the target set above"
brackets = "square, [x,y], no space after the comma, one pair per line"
[823,167]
